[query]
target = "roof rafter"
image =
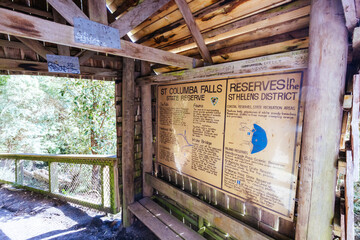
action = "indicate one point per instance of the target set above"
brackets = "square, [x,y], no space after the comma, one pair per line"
[194,30]
[23,25]
[36,46]
[137,15]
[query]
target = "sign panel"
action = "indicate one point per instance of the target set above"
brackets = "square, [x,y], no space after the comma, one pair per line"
[63,64]
[89,32]
[240,135]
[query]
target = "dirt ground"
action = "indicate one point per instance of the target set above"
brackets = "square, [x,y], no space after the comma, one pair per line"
[28,215]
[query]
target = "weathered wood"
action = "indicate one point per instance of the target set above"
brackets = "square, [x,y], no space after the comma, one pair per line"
[233,11]
[215,217]
[85,56]
[67,9]
[147,135]
[54,177]
[350,14]
[137,15]
[62,50]
[194,30]
[153,223]
[356,43]
[262,21]
[43,30]
[98,11]
[355,125]
[344,132]
[289,60]
[172,222]
[32,66]
[323,111]
[36,46]
[349,196]
[26,9]
[167,16]
[128,165]
[294,25]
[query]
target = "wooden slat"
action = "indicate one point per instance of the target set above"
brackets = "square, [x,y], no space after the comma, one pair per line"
[356,43]
[85,56]
[350,14]
[41,67]
[62,50]
[98,11]
[289,60]
[39,29]
[261,21]
[36,46]
[26,9]
[349,196]
[322,126]
[214,216]
[355,125]
[194,30]
[68,9]
[228,13]
[128,164]
[137,15]
[172,222]
[153,223]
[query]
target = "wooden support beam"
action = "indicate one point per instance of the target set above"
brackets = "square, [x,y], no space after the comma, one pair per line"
[68,9]
[350,14]
[25,9]
[36,46]
[137,15]
[284,61]
[147,135]
[355,125]
[41,67]
[43,30]
[261,21]
[128,132]
[322,121]
[85,56]
[194,30]
[349,196]
[215,217]
[62,50]
[98,11]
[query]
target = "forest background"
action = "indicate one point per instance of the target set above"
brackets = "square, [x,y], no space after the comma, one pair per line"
[48,115]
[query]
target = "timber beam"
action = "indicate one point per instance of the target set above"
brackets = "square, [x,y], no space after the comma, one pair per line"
[42,67]
[284,61]
[22,25]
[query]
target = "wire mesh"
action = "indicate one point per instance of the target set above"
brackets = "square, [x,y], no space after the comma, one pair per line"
[7,170]
[35,174]
[87,183]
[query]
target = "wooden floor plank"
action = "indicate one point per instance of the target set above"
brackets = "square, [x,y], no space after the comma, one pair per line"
[154,224]
[173,223]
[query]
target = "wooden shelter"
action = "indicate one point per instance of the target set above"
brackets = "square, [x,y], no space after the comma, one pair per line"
[285,65]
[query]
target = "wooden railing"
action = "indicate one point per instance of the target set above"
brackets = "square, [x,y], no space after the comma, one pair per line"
[87,180]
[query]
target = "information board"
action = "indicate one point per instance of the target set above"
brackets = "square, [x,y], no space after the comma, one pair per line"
[240,135]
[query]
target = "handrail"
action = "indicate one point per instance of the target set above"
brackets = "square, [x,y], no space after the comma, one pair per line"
[59,157]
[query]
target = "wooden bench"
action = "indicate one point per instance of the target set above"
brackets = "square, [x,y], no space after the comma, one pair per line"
[160,222]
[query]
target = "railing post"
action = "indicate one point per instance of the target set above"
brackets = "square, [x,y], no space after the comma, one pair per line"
[113,205]
[19,171]
[53,177]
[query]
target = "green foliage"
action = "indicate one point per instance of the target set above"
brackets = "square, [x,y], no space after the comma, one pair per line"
[56,115]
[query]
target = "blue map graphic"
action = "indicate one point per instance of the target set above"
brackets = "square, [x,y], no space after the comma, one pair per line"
[259,139]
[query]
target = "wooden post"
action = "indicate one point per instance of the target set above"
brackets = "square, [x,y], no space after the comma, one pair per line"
[128,131]
[324,91]
[115,168]
[19,172]
[146,129]
[53,177]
